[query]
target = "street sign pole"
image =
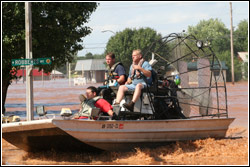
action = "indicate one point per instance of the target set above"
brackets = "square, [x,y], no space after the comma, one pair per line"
[29,75]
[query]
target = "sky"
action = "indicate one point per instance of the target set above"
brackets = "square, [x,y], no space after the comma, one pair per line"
[164,17]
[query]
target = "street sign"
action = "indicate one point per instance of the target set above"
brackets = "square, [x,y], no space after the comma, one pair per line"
[26,62]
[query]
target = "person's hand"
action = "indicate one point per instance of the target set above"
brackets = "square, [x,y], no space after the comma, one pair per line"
[127,83]
[110,113]
[136,67]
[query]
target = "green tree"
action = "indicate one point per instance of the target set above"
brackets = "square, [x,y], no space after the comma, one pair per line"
[245,67]
[241,43]
[218,35]
[89,56]
[99,56]
[241,37]
[123,43]
[213,31]
[226,56]
[57,31]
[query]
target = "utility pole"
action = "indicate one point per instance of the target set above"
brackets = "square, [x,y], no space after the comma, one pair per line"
[54,76]
[29,75]
[232,46]
[69,75]
[82,71]
[42,77]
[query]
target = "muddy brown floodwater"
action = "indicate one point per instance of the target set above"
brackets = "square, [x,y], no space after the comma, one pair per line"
[55,94]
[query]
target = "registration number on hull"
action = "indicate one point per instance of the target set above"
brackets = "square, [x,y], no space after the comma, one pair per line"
[112,126]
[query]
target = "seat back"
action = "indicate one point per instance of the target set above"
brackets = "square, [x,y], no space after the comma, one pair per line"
[154,76]
[154,84]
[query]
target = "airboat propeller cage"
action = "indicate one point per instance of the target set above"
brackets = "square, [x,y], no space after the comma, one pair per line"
[202,90]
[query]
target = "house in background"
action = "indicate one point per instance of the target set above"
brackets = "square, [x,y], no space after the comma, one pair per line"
[90,70]
[37,75]
[56,74]
[243,56]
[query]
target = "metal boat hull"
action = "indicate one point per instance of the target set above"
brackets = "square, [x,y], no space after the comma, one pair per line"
[41,135]
[125,135]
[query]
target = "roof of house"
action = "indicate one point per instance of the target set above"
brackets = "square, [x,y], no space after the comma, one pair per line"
[90,65]
[35,73]
[193,66]
[56,72]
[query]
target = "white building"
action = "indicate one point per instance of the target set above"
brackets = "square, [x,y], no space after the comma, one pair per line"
[243,56]
[56,74]
[92,70]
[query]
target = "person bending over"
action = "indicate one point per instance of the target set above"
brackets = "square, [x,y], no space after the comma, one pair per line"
[91,101]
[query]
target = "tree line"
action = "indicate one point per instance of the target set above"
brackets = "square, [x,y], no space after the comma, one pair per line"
[212,31]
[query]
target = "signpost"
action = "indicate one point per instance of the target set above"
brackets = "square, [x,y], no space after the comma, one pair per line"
[29,84]
[26,62]
[29,76]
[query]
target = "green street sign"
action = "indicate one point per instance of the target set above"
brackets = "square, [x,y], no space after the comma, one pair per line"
[43,61]
[26,62]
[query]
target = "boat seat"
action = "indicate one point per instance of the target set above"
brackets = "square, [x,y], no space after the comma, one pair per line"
[126,115]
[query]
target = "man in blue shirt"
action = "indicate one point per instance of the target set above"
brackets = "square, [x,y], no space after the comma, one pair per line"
[114,76]
[135,81]
[115,69]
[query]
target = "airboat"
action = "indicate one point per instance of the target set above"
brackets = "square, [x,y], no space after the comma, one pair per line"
[187,101]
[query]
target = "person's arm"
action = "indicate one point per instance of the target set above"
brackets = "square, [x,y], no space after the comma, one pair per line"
[147,73]
[104,106]
[121,72]
[121,79]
